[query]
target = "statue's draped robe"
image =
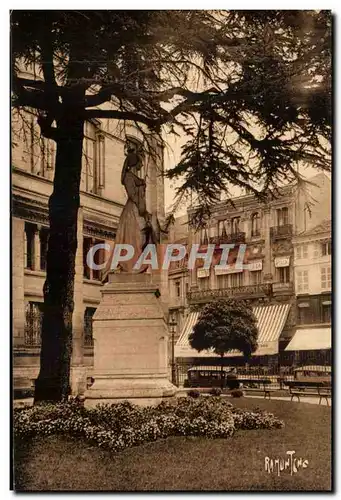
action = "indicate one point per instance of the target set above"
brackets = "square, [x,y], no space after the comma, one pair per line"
[136,225]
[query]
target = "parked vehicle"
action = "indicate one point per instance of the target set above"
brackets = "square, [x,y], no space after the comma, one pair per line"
[313,373]
[207,376]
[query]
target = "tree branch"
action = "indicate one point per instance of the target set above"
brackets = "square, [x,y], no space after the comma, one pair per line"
[45,124]
[104,95]
[121,115]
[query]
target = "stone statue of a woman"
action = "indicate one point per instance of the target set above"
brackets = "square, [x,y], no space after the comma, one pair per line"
[137,227]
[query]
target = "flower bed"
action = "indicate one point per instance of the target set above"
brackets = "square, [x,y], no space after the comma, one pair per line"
[123,425]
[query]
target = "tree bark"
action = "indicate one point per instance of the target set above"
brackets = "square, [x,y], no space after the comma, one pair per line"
[53,383]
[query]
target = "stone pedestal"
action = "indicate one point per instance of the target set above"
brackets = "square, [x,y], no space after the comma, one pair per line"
[130,344]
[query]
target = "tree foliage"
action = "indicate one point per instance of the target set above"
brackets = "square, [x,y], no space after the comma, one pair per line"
[268,111]
[251,91]
[224,326]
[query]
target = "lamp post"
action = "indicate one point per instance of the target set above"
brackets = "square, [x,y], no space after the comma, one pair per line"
[172,326]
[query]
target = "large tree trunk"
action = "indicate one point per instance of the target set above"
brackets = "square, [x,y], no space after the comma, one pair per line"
[56,350]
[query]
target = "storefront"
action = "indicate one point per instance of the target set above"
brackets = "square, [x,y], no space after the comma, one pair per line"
[311,345]
[270,321]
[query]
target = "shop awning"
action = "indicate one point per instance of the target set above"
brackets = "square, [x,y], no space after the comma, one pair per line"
[182,348]
[310,339]
[271,321]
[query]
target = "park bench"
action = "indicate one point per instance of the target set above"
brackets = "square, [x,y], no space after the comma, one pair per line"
[299,389]
[257,385]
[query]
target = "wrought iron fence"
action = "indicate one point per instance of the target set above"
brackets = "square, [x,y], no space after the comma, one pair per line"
[33,324]
[274,372]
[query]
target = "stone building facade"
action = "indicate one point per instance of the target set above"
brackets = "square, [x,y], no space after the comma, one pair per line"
[102,200]
[178,275]
[268,231]
[312,340]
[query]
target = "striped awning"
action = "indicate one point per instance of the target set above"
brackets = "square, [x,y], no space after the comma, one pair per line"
[270,321]
[310,339]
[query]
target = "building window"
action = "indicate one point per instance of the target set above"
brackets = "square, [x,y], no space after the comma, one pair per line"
[326,278]
[282,216]
[30,230]
[256,277]
[255,224]
[93,159]
[304,314]
[302,252]
[204,283]
[236,280]
[235,222]
[34,145]
[33,323]
[44,238]
[88,329]
[302,281]
[223,281]
[326,248]
[48,155]
[187,288]
[204,236]
[223,228]
[177,288]
[317,250]
[283,274]
[99,258]
[87,244]
[326,313]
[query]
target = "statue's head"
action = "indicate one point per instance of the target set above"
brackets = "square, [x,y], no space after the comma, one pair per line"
[134,154]
[133,147]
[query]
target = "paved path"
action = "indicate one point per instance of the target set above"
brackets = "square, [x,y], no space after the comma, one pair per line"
[310,400]
[19,403]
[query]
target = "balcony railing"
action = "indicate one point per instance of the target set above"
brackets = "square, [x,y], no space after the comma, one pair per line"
[281,231]
[282,287]
[252,291]
[228,238]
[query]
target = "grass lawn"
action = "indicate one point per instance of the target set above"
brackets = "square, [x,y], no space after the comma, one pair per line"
[187,464]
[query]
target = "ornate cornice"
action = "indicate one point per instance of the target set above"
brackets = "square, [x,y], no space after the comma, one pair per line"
[37,211]
[101,231]
[30,209]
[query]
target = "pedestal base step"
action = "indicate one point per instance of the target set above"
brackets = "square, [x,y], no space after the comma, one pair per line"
[143,392]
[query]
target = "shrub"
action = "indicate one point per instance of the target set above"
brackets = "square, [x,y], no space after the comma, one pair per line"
[255,419]
[193,394]
[123,425]
[237,393]
[215,391]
